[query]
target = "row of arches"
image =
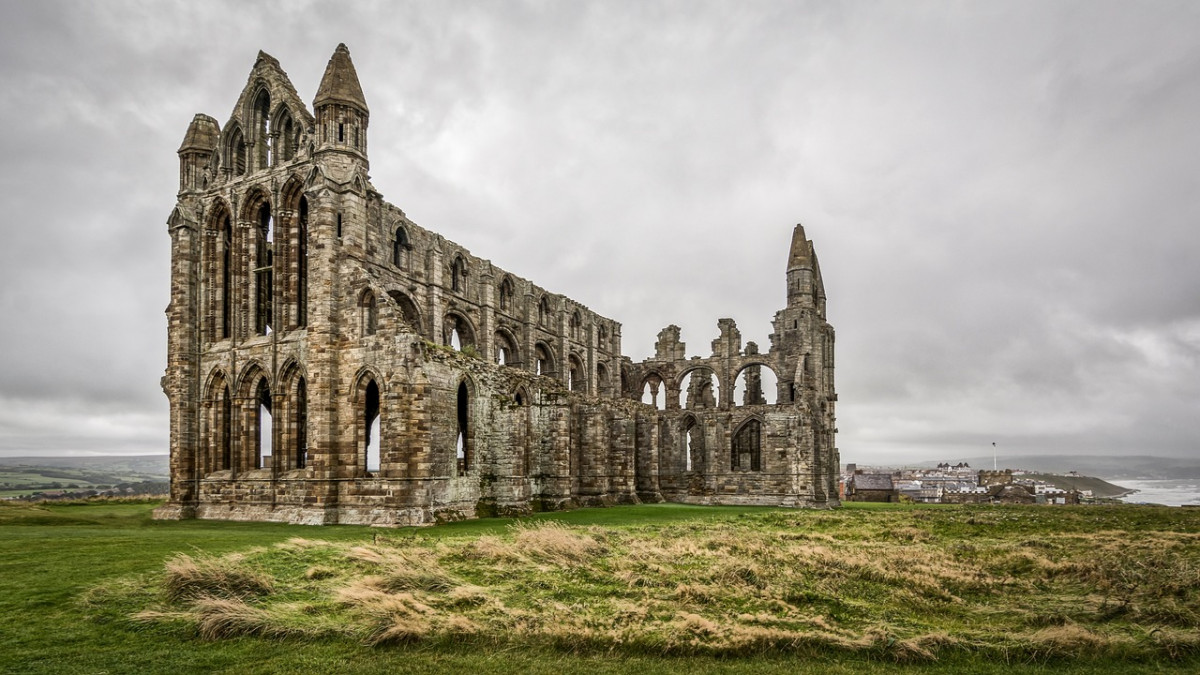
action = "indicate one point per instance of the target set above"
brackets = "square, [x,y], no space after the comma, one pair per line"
[459,333]
[458,278]
[256,269]
[249,425]
[700,387]
[271,137]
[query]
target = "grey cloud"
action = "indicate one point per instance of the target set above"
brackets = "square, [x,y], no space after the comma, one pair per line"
[1003,196]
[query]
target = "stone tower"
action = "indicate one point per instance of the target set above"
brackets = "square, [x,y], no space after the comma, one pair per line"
[332,361]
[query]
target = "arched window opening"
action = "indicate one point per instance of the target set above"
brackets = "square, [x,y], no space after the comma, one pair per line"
[457,332]
[226,278]
[371,427]
[263,271]
[408,310]
[746,453]
[755,385]
[289,139]
[237,153]
[543,312]
[650,392]
[575,323]
[458,275]
[262,129]
[693,441]
[506,349]
[225,431]
[520,397]
[543,359]
[602,383]
[369,313]
[602,337]
[265,425]
[462,440]
[400,247]
[576,380]
[700,389]
[506,294]
[302,264]
[301,424]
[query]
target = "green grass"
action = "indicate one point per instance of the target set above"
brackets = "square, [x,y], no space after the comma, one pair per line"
[71,577]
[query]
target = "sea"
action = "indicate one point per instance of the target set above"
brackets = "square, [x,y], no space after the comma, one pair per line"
[1168,492]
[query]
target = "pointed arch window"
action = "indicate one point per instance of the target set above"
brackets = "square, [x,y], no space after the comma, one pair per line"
[746,453]
[265,424]
[576,322]
[301,424]
[400,248]
[264,257]
[458,275]
[226,253]
[506,294]
[543,312]
[371,425]
[262,130]
[369,311]
[302,263]
[462,444]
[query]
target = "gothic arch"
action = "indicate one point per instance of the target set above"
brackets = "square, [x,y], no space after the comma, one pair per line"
[259,116]
[218,424]
[750,390]
[400,246]
[458,274]
[456,327]
[576,374]
[234,150]
[654,387]
[745,452]
[543,359]
[708,393]
[220,258]
[257,438]
[292,419]
[505,294]
[368,313]
[366,398]
[286,129]
[692,443]
[464,427]
[407,310]
[291,253]
[506,350]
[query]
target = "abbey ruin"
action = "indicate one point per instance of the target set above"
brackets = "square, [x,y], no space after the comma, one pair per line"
[331,361]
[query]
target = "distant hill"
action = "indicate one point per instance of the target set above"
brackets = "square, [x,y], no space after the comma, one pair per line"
[157,466]
[1135,467]
[1098,486]
[23,476]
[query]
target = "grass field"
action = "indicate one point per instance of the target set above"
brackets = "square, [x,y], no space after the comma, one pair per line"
[656,588]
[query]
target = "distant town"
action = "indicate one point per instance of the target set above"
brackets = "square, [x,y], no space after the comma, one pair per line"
[961,484]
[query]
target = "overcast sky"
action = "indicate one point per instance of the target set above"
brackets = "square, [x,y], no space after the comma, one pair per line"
[1004,196]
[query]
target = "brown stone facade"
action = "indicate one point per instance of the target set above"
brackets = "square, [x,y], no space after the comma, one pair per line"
[331,361]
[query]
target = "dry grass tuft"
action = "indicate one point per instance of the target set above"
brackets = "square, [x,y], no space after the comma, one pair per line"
[218,618]
[319,572]
[556,543]
[190,578]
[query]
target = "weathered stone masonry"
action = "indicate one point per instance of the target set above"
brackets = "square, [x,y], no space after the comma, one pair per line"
[331,361]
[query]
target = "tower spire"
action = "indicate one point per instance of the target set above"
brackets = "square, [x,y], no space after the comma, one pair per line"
[340,82]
